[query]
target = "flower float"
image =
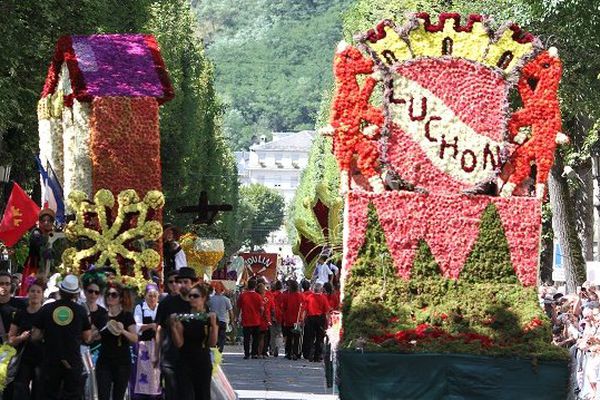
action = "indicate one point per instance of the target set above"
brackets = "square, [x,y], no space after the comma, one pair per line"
[111,242]
[202,254]
[414,252]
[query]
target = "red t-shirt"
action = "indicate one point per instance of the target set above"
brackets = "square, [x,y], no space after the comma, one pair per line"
[265,317]
[275,296]
[290,305]
[317,304]
[250,305]
[334,300]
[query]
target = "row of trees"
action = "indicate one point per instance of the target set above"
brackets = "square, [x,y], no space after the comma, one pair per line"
[573,27]
[195,154]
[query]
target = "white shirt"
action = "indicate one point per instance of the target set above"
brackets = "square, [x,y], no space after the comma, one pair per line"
[138,316]
[180,260]
[322,272]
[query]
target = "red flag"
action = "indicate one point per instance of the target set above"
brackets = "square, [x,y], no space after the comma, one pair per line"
[21,214]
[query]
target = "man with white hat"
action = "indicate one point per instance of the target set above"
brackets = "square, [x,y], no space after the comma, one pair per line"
[63,325]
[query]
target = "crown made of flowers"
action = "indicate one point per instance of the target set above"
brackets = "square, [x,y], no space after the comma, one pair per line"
[505,49]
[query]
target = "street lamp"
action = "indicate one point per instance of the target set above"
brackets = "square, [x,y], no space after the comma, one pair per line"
[595,153]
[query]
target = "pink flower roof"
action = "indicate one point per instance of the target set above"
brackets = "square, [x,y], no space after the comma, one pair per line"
[128,65]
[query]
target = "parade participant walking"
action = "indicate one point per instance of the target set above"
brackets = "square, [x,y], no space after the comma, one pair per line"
[94,284]
[63,325]
[195,335]
[250,306]
[291,307]
[114,361]
[221,306]
[171,285]
[265,319]
[174,381]
[9,305]
[317,308]
[27,382]
[333,296]
[275,329]
[146,377]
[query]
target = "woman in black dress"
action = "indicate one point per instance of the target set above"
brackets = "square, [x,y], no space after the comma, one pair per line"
[114,362]
[194,335]
[19,336]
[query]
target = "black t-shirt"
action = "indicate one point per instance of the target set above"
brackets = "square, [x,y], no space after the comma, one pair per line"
[116,349]
[195,338]
[170,305]
[24,321]
[63,322]
[9,309]
[99,318]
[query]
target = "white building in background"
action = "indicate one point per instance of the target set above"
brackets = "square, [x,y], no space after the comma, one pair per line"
[278,165]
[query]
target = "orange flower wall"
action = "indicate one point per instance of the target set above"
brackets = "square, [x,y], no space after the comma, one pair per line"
[125,144]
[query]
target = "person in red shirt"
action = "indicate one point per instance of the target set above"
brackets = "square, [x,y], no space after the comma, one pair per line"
[250,305]
[317,308]
[265,319]
[333,296]
[292,304]
[275,328]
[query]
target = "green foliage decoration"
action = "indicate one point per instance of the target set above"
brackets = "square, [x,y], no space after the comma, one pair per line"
[378,302]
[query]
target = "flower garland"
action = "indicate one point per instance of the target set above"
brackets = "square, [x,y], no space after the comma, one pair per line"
[125,139]
[111,241]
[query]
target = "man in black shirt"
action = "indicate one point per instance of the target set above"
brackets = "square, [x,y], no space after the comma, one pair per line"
[63,325]
[176,383]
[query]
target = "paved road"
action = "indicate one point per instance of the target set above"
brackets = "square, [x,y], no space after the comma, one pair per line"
[274,378]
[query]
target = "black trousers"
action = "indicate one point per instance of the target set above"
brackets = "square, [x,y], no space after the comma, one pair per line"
[292,341]
[222,335]
[175,382]
[60,382]
[199,372]
[250,332]
[314,333]
[113,376]
[28,373]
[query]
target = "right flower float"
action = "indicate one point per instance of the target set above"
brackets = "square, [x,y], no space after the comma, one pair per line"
[443,174]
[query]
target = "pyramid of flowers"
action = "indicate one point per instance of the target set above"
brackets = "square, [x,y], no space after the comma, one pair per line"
[442,204]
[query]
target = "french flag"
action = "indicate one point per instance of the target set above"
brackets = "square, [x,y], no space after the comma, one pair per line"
[52,193]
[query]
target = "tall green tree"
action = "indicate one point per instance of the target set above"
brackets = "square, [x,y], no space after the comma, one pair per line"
[265,213]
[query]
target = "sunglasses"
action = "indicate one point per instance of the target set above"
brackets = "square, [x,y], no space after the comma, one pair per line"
[194,296]
[92,291]
[113,294]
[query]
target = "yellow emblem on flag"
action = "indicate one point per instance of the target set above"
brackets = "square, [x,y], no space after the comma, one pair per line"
[16,213]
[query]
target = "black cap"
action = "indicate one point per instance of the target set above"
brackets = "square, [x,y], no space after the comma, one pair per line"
[187,273]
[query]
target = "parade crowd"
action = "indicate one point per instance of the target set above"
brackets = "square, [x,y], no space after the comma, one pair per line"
[90,337]
[576,326]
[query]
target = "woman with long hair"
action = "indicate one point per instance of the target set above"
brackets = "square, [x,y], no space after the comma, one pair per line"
[194,335]
[114,362]
[27,381]
[145,380]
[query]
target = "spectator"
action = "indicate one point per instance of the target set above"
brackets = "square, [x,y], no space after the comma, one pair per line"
[322,272]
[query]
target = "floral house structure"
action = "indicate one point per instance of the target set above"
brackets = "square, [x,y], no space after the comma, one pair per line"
[443,180]
[99,131]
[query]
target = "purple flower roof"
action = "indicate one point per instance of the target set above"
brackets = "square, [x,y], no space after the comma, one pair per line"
[127,65]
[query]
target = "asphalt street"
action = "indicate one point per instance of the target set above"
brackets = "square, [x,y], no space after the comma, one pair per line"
[275,377]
